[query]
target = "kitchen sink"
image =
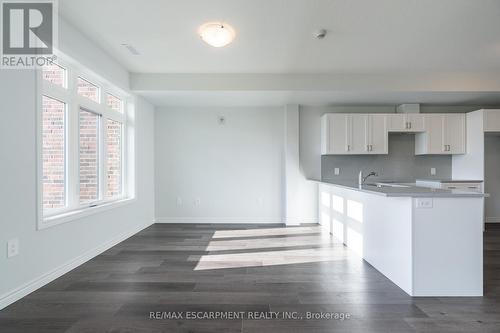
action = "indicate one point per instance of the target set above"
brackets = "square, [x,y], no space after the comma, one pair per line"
[387,185]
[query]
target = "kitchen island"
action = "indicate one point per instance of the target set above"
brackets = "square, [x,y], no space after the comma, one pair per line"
[427,241]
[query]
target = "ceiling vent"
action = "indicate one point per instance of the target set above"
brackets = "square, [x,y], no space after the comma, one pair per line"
[131,49]
[408,108]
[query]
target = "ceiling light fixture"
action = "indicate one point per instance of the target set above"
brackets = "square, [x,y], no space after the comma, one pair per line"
[216,34]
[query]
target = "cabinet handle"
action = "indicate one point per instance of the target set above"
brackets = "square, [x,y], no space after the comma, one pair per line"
[406,125]
[371,148]
[367,147]
[409,124]
[348,147]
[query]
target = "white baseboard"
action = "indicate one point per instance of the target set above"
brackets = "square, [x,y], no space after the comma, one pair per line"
[493,220]
[219,220]
[234,220]
[295,221]
[29,287]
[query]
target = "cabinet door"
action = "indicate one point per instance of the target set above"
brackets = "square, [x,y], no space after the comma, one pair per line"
[492,120]
[378,138]
[415,122]
[338,134]
[359,134]
[396,123]
[405,122]
[454,133]
[434,134]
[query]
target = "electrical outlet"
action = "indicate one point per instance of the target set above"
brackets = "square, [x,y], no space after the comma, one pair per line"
[423,203]
[197,202]
[433,171]
[336,171]
[179,201]
[12,248]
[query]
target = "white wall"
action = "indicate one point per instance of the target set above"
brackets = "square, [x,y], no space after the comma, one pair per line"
[235,169]
[44,254]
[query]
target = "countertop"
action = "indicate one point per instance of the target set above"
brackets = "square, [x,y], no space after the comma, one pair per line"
[409,190]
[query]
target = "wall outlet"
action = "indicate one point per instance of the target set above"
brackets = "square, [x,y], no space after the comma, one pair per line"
[12,248]
[197,202]
[423,203]
[179,201]
[433,171]
[336,171]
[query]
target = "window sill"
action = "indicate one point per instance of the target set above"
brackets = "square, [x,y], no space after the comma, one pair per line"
[54,220]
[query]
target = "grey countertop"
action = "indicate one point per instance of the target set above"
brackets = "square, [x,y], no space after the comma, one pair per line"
[406,190]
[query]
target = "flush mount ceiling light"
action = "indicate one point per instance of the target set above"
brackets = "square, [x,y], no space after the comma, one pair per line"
[216,34]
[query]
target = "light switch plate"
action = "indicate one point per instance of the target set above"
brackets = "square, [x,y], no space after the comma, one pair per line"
[12,248]
[433,171]
[336,171]
[424,203]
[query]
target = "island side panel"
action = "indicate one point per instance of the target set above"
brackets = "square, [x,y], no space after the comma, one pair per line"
[448,247]
[376,227]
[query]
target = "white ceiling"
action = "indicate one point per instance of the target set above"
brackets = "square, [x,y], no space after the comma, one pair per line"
[275,36]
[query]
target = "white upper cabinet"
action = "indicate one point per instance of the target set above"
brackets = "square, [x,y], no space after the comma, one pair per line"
[378,140]
[492,120]
[344,134]
[363,134]
[405,122]
[335,134]
[444,134]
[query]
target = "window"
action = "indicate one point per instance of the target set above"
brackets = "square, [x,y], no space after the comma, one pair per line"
[55,74]
[82,145]
[89,156]
[114,103]
[53,153]
[114,158]
[88,90]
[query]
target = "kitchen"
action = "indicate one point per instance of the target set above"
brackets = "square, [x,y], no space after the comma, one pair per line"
[415,183]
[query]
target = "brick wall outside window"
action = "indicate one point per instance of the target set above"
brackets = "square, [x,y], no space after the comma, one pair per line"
[114,158]
[53,151]
[114,103]
[55,74]
[89,156]
[87,89]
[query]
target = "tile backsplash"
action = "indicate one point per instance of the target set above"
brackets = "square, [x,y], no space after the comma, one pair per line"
[401,164]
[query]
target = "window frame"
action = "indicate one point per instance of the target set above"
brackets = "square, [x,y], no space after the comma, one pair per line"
[73,103]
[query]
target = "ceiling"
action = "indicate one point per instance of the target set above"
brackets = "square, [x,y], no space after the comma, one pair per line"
[276,36]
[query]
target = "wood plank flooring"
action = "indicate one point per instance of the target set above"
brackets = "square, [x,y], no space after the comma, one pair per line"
[252,269]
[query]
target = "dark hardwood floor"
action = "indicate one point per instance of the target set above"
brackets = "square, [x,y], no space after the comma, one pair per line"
[256,270]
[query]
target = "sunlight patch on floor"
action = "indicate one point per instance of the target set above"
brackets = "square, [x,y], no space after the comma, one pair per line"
[266,232]
[267,258]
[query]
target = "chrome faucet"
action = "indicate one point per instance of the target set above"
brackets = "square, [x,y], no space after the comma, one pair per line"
[362,180]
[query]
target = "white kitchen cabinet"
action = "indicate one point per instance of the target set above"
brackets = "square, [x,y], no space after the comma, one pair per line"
[378,140]
[491,120]
[352,134]
[444,134]
[409,122]
[335,134]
